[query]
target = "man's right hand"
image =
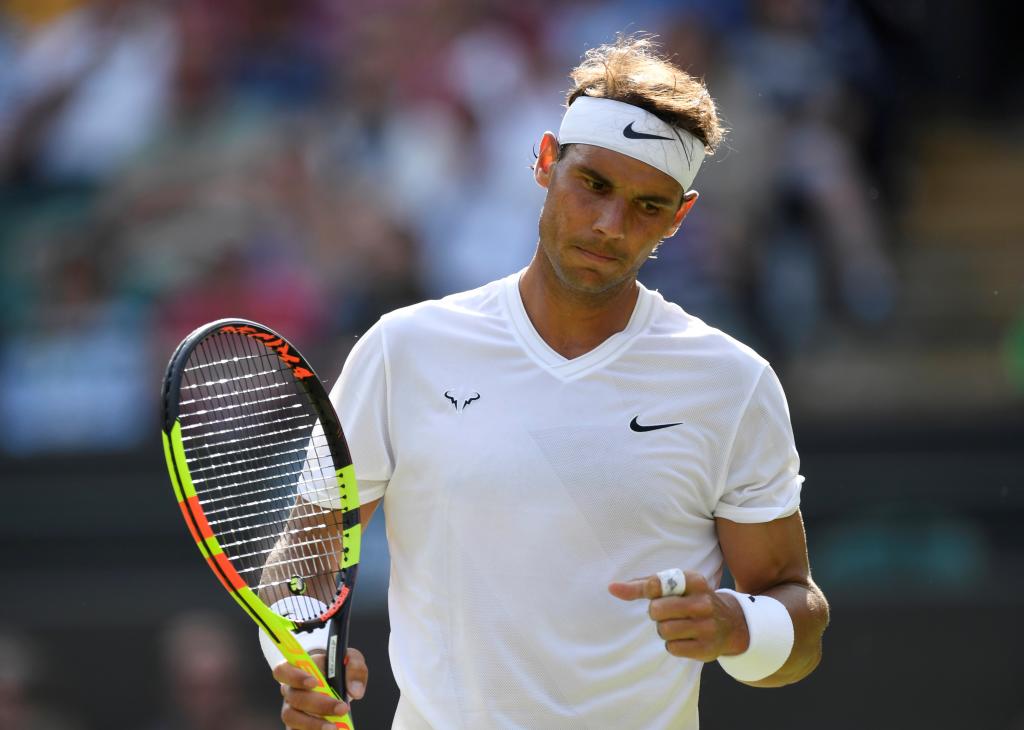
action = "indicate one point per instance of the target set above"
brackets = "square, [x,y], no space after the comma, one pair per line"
[304,709]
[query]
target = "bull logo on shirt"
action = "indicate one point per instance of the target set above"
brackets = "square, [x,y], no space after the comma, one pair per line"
[460,399]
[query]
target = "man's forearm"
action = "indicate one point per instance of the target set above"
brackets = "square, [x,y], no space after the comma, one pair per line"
[810,614]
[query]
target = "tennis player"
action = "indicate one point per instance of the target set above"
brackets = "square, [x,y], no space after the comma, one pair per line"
[567,461]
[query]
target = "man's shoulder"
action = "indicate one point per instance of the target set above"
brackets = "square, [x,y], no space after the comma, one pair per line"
[681,332]
[680,341]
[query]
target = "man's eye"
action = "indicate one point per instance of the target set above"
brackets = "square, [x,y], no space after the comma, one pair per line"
[593,184]
[650,208]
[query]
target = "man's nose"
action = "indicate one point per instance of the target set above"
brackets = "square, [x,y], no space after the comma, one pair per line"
[611,222]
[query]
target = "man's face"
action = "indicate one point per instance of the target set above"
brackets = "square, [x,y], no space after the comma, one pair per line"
[603,216]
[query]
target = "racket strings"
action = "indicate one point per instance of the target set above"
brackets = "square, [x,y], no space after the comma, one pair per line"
[322,487]
[231,406]
[233,359]
[237,427]
[261,449]
[241,390]
[239,439]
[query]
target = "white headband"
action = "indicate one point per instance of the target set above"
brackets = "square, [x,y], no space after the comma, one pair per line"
[634,132]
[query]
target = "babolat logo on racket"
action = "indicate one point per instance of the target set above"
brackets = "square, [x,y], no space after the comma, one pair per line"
[275,343]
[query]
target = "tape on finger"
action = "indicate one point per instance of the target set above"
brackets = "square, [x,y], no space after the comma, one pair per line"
[673,582]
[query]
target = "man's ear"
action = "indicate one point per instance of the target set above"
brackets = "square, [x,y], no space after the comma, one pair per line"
[684,208]
[546,158]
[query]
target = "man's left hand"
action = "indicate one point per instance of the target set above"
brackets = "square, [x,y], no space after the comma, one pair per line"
[700,624]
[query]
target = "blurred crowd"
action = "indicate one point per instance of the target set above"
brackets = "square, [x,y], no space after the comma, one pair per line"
[310,164]
[198,672]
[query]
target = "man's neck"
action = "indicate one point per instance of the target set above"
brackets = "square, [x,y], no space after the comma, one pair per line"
[573,323]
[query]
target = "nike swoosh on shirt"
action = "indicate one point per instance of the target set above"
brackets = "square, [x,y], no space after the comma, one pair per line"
[629,133]
[640,429]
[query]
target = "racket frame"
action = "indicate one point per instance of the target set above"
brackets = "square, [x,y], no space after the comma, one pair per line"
[279,629]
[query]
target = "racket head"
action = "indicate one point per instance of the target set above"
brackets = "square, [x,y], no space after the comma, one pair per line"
[252,444]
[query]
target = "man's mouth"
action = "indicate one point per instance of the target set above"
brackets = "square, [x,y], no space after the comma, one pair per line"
[593,255]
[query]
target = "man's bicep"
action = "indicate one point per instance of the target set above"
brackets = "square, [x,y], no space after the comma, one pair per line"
[764,554]
[366,511]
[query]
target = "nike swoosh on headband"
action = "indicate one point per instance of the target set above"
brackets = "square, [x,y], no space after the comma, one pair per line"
[629,133]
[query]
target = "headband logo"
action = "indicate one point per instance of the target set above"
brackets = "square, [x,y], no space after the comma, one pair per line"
[629,133]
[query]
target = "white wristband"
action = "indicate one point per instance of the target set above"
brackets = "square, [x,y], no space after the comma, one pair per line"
[771,638]
[301,608]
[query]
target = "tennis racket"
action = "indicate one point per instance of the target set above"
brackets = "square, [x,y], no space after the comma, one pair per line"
[253,446]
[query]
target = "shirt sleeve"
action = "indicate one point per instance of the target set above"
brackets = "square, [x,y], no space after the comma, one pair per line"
[762,472]
[361,398]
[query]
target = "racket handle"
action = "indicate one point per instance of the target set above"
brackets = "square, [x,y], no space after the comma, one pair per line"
[343,722]
[335,665]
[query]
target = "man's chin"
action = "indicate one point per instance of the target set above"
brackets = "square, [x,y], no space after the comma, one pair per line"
[587,281]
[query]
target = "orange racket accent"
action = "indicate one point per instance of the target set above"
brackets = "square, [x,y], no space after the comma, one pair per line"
[342,595]
[283,352]
[188,521]
[275,343]
[309,668]
[226,572]
[194,517]
[200,518]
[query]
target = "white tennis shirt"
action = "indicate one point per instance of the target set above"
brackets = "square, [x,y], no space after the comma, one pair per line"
[517,484]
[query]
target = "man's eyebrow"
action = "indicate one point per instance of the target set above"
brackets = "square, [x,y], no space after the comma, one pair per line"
[591,172]
[656,199]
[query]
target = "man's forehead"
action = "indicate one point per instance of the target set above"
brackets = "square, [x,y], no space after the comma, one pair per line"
[623,169]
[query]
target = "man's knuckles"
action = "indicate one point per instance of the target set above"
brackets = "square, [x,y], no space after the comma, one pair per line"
[676,629]
[695,583]
[698,606]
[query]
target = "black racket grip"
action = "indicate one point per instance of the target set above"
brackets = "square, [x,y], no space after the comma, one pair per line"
[335,667]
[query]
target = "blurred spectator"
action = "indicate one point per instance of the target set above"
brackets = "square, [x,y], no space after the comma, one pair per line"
[85,92]
[486,225]
[799,240]
[73,375]
[204,679]
[21,679]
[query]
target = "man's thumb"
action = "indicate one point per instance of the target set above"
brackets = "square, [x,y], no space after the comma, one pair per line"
[632,590]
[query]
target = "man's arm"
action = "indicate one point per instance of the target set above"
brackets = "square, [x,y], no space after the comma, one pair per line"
[770,558]
[308,523]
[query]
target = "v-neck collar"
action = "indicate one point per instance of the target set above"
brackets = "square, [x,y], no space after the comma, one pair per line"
[558,365]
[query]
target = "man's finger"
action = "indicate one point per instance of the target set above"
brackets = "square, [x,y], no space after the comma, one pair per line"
[632,590]
[292,676]
[314,703]
[297,720]
[356,674]
[675,629]
[690,649]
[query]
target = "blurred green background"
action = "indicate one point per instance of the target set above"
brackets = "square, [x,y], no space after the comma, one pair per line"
[311,164]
